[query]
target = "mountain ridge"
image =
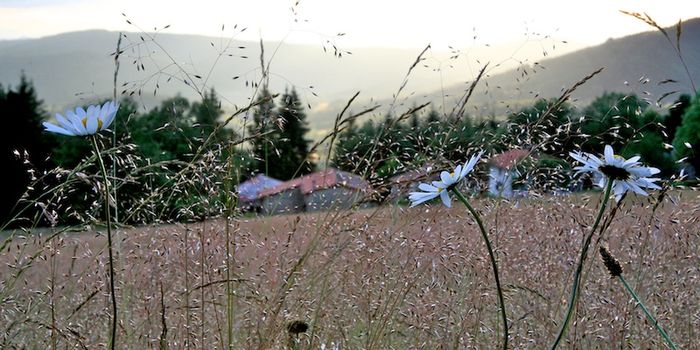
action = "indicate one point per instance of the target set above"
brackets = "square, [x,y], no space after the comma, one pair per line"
[76,67]
[645,64]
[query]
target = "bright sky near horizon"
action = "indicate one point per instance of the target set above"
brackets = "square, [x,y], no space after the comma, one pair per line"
[375,23]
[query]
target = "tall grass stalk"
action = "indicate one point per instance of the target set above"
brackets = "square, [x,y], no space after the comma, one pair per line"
[52,294]
[646,311]
[615,270]
[108,218]
[230,262]
[576,285]
[494,264]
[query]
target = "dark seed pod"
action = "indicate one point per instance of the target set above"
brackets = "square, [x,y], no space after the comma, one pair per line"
[610,262]
[297,326]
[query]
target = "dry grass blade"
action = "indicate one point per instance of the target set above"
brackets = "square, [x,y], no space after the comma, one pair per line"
[419,58]
[677,47]
[467,94]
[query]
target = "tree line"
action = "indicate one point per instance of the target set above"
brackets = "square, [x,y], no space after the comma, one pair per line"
[382,148]
[170,163]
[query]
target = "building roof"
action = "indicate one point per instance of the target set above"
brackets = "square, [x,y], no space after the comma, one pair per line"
[250,190]
[321,180]
[508,159]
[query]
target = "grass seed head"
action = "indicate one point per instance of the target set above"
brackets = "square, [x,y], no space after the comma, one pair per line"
[610,262]
[297,326]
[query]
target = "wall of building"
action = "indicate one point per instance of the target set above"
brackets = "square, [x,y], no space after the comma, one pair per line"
[332,198]
[289,201]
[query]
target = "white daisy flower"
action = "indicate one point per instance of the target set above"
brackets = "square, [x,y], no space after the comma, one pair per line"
[81,122]
[441,188]
[430,192]
[626,174]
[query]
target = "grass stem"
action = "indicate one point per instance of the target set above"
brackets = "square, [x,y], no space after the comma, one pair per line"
[576,285]
[648,314]
[494,265]
[108,218]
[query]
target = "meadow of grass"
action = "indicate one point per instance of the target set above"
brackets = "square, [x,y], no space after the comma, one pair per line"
[383,278]
[387,277]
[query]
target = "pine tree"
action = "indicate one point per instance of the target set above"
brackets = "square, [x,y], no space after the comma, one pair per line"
[291,148]
[206,114]
[264,122]
[24,146]
[164,132]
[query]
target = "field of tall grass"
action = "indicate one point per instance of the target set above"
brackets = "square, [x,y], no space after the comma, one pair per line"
[384,278]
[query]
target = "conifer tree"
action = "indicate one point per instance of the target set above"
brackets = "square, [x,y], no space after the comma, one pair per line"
[23,146]
[206,114]
[264,123]
[291,147]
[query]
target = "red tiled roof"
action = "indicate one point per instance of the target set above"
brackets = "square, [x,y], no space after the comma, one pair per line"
[320,180]
[508,159]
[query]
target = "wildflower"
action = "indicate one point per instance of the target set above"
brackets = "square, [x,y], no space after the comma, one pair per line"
[626,174]
[447,181]
[430,192]
[81,122]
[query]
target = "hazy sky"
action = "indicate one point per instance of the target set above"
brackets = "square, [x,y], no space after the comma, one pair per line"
[394,23]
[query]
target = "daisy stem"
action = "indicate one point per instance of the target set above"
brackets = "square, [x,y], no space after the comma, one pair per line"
[113,335]
[494,265]
[648,314]
[576,286]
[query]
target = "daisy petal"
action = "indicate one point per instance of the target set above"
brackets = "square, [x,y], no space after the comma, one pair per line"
[110,113]
[635,188]
[649,183]
[439,184]
[632,160]
[427,187]
[609,155]
[91,125]
[446,199]
[458,172]
[75,122]
[471,163]
[446,178]
[57,129]
[63,122]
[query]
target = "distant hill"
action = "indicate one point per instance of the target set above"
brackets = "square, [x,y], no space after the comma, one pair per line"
[645,64]
[78,64]
[77,67]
